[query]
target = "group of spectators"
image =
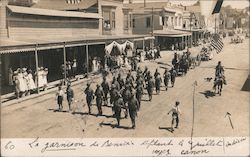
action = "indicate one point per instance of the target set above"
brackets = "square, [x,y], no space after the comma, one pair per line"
[23,80]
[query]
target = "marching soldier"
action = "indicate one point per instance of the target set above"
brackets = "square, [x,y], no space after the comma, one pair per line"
[173,76]
[166,78]
[113,94]
[175,114]
[118,104]
[99,97]
[89,96]
[115,82]
[120,81]
[139,71]
[70,95]
[133,108]
[126,94]
[156,73]
[158,81]
[105,87]
[150,87]
[139,93]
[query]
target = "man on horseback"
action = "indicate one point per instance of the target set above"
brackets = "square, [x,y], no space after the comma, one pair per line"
[219,72]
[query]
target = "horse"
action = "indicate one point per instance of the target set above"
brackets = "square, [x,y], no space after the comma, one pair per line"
[218,84]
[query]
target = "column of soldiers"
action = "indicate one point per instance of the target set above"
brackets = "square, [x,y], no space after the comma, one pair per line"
[126,94]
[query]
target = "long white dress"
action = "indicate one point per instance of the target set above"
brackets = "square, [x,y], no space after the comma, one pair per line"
[32,85]
[40,78]
[44,76]
[22,82]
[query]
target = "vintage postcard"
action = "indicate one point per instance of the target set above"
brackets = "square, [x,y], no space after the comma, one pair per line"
[124,77]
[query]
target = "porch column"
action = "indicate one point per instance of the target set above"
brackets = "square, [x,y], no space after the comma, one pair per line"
[36,60]
[87,58]
[64,62]
[143,45]
[182,42]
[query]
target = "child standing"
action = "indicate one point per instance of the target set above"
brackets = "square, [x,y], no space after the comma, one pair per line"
[59,95]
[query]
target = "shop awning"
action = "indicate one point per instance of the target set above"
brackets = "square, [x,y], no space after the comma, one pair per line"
[10,45]
[48,12]
[171,33]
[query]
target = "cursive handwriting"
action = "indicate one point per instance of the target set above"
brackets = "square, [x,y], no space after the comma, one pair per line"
[235,141]
[108,143]
[59,146]
[206,143]
[156,142]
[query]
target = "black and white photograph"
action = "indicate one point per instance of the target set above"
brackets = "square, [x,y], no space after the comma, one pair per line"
[124,77]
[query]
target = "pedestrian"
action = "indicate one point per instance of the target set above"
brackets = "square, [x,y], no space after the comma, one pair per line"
[158,81]
[99,97]
[150,87]
[133,108]
[139,93]
[89,96]
[166,76]
[70,95]
[173,76]
[59,95]
[176,112]
[105,87]
[118,104]
[74,68]
[156,73]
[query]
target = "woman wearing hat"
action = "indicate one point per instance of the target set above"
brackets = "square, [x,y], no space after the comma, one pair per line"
[31,84]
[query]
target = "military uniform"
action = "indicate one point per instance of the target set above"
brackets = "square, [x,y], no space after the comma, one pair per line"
[173,76]
[158,83]
[139,93]
[150,87]
[133,108]
[166,78]
[118,104]
[105,87]
[89,97]
[120,80]
[126,95]
[70,96]
[99,97]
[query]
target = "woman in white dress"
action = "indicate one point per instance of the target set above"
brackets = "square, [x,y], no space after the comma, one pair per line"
[22,82]
[32,85]
[45,80]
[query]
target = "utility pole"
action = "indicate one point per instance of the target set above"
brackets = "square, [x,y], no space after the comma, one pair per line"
[191,37]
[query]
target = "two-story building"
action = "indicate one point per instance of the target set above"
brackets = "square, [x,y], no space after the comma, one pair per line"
[49,33]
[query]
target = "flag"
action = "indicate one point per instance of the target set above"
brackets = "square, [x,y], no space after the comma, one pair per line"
[217,43]
[217,6]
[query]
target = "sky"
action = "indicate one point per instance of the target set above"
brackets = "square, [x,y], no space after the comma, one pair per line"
[240,4]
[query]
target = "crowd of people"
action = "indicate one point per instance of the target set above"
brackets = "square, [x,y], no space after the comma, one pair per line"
[23,80]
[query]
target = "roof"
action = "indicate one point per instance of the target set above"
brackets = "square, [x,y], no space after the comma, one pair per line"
[10,45]
[48,12]
[63,5]
[171,33]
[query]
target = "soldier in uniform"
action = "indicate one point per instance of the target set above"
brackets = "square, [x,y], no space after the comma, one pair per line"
[118,104]
[126,95]
[130,78]
[115,82]
[70,95]
[156,73]
[175,114]
[139,93]
[150,87]
[120,81]
[105,87]
[173,76]
[139,71]
[89,96]
[133,108]
[158,81]
[99,97]
[166,78]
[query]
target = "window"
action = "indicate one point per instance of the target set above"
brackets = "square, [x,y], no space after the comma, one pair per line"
[148,22]
[133,22]
[175,21]
[106,20]
[130,20]
[113,20]
[126,24]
